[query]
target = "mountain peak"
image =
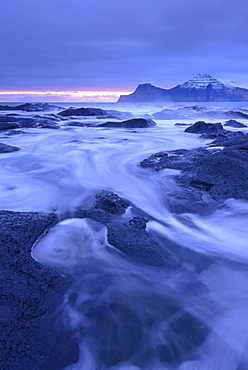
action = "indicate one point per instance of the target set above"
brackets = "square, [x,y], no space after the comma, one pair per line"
[201,81]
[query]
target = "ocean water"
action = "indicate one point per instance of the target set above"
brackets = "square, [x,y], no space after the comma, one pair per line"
[123,315]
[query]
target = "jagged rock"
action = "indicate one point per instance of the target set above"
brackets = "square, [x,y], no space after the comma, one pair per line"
[202,127]
[234,123]
[131,123]
[222,174]
[8,148]
[30,294]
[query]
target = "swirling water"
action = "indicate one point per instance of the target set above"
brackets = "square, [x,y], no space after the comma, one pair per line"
[123,315]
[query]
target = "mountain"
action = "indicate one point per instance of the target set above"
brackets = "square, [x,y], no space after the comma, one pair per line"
[201,88]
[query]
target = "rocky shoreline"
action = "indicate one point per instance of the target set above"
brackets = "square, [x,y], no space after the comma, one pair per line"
[32,334]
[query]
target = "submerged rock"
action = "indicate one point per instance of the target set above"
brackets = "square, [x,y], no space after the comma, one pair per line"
[30,294]
[131,123]
[8,148]
[234,123]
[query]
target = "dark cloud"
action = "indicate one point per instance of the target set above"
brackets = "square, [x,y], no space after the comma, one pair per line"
[116,44]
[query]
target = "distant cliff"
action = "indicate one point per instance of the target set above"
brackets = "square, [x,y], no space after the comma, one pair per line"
[201,88]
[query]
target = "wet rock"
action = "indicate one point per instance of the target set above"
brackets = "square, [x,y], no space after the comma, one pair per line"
[111,203]
[222,174]
[30,294]
[131,123]
[25,122]
[133,240]
[83,112]
[234,123]
[232,140]
[182,124]
[127,235]
[30,107]
[236,114]
[8,125]
[182,336]
[202,127]
[8,148]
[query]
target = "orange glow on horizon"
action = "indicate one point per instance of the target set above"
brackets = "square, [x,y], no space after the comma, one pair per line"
[95,95]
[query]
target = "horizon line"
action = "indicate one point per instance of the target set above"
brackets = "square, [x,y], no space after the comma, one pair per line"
[65,95]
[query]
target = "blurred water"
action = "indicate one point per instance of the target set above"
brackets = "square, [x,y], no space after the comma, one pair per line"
[126,316]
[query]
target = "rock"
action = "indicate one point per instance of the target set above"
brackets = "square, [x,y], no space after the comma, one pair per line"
[202,127]
[8,125]
[8,148]
[183,334]
[131,123]
[25,122]
[30,294]
[234,123]
[111,203]
[182,124]
[30,107]
[222,174]
[232,140]
[236,114]
[83,112]
[127,235]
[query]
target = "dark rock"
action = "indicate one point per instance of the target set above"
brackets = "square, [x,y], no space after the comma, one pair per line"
[234,123]
[128,236]
[236,114]
[133,240]
[30,107]
[131,123]
[111,203]
[83,112]
[181,124]
[182,336]
[8,148]
[202,127]
[25,122]
[30,294]
[222,174]
[8,125]
[232,140]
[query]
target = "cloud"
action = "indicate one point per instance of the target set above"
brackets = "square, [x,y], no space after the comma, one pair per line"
[116,44]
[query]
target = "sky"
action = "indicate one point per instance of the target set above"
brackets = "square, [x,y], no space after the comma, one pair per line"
[110,46]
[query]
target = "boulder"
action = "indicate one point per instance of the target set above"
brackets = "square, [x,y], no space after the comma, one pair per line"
[83,112]
[131,123]
[202,127]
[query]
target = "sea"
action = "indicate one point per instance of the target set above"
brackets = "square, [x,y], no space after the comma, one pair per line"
[127,316]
